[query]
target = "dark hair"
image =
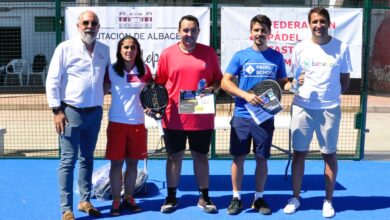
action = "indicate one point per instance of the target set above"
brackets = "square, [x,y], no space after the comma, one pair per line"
[261,19]
[119,66]
[321,11]
[189,18]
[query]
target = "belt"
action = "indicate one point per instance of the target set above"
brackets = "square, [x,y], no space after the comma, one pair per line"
[86,109]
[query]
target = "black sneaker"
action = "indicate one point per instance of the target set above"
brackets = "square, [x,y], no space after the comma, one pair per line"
[235,206]
[207,205]
[261,206]
[169,205]
[130,205]
[116,207]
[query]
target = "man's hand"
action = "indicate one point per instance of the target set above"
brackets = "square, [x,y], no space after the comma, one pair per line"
[287,86]
[252,99]
[59,122]
[301,78]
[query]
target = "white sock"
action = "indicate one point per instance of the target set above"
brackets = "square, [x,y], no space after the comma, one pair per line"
[237,194]
[258,195]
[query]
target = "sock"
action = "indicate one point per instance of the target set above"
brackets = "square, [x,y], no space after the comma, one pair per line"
[237,194]
[172,192]
[116,202]
[258,195]
[204,192]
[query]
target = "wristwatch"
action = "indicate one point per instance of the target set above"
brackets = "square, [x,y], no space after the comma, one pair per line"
[56,110]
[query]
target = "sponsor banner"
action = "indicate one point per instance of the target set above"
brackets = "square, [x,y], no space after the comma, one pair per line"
[289,26]
[155,27]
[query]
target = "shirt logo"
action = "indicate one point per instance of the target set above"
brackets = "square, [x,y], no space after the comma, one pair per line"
[320,63]
[250,70]
[132,78]
[264,70]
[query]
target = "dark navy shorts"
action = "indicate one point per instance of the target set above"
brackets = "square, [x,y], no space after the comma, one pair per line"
[244,130]
[199,141]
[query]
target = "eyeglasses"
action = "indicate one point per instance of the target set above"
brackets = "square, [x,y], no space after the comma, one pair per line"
[93,23]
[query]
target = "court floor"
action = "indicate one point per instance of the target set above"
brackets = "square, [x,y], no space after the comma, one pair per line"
[29,190]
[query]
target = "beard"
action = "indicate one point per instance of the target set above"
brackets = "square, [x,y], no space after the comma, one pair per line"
[88,36]
[189,41]
[261,40]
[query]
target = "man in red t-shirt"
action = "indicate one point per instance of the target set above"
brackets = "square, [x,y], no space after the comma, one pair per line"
[181,67]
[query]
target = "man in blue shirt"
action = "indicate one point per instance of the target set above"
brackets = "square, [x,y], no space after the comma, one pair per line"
[251,66]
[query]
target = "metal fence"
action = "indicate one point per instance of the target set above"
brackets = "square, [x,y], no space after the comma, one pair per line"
[31,31]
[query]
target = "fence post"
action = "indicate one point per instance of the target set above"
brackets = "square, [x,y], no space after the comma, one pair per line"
[363,95]
[58,22]
[2,132]
[214,28]
[214,34]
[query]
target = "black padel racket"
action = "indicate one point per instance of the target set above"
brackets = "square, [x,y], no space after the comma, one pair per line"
[155,97]
[272,93]
[265,85]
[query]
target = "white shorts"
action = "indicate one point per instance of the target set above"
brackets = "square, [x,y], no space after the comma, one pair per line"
[325,122]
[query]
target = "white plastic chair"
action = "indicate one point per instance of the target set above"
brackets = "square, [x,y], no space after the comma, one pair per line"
[15,67]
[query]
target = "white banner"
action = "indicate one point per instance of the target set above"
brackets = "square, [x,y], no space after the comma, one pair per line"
[289,26]
[155,27]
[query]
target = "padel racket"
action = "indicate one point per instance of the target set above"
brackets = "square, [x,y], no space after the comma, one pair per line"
[271,94]
[155,97]
[265,85]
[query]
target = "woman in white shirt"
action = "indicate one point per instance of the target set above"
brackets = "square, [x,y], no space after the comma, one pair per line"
[126,133]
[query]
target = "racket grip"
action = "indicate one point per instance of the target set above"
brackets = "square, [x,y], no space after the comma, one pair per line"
[160,129]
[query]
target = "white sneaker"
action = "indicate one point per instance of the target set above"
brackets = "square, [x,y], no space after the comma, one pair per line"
[292,206]
[327,209]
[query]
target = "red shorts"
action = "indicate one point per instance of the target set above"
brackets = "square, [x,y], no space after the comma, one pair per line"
[126,141]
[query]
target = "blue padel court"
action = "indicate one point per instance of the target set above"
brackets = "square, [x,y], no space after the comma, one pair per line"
[29,190]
